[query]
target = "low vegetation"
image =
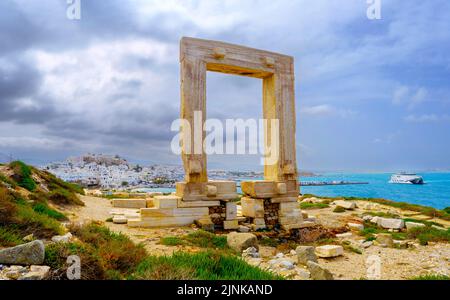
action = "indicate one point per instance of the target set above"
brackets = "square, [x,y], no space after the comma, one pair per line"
[208,265]
[22,175]
[18,219]
[199,238]
[431,277]
[103,254]
[306,205]
[429,234]
[425,210]
[24,213]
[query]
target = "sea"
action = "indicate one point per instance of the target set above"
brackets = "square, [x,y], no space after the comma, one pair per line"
[435,192]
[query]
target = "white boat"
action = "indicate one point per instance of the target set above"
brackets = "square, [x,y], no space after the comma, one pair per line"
[406,178]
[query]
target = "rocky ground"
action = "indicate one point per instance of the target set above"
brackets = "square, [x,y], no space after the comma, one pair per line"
[396,263]
[346,255]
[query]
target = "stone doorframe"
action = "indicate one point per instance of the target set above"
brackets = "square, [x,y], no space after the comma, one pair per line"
[197,56]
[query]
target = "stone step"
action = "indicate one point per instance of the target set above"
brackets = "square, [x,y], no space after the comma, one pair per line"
[149,222]
[171,212]
[129,203]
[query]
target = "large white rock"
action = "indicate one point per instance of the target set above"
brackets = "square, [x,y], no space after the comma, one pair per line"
[411,225]
[389,223]
[344,235]
[32,253]
[240,241]
[62,238]
[345,204]
[318,272]
[305,254]
[329,251]
[374,220]
[356,226]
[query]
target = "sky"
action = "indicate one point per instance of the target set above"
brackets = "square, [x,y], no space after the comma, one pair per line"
[371,94]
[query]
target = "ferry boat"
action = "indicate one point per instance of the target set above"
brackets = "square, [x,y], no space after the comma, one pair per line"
[406,178]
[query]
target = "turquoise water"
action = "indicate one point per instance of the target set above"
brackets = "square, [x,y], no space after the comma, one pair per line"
[435,192]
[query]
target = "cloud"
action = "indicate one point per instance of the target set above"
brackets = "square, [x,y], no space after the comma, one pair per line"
[110,82]
[427,118]
[327,110]
[409,97]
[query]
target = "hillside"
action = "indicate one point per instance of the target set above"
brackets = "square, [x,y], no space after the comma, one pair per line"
[29,202]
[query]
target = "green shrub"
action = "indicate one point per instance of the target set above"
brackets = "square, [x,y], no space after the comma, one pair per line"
[45,210]
[206,239]
[64,197]
[172,241]
[22,175]
[429,234]
[9,237]
[209,265]
[114,250]
[42,226]
[91,266]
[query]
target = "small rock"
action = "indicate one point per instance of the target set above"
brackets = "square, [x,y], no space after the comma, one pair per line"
[240,241]
[367,218]
[389,223]
[36,273]
[411,225]
[329,251]
[374,220]
[243,228]
[254,261]
[62,238]
[345,204]
[344,235]
[250,252]
[302,274]
[356,226]
[28,238]
[292,252]
[367,244]
[318,272]
[288,265]
[385,239]
[288,273]
[400,244]
[305,254]
[32,253]
[120,220]
[205,224]
[438,227]
[13,275]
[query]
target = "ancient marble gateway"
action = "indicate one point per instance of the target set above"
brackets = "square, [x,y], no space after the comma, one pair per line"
[266,203]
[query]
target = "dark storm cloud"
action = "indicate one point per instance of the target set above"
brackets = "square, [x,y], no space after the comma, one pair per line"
[20,99]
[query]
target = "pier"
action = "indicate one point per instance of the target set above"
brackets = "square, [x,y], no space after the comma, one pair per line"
[321,183]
